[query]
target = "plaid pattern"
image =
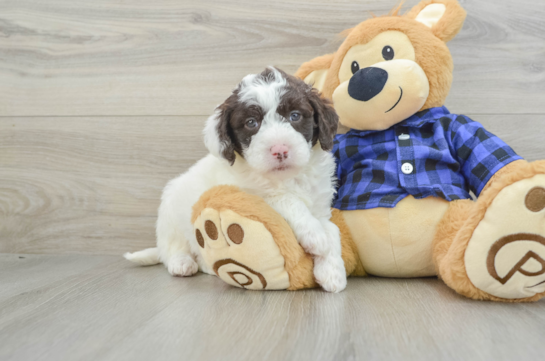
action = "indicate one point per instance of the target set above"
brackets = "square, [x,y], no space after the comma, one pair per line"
[450,155]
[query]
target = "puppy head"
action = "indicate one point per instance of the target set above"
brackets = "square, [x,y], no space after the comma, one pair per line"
[272,120]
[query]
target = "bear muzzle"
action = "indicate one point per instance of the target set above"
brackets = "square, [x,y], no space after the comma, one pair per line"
[367,83]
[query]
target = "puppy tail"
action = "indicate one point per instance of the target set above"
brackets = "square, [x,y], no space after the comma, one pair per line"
[146,257]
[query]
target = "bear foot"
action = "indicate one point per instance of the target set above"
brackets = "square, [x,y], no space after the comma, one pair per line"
[505,256]
[240,251]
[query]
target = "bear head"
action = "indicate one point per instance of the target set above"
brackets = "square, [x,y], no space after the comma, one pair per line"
[390,67]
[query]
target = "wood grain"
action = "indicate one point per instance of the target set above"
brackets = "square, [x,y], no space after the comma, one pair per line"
[93,184]
[103,308]
[89,185]
[114,57]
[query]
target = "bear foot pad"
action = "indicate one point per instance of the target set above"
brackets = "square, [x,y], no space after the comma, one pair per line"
[505,256]
[240,251]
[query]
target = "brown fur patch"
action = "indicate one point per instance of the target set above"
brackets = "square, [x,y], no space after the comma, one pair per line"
[319,121]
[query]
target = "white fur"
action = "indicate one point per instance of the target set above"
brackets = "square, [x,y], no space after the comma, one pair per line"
[302,193]
[265,93]
[146,257]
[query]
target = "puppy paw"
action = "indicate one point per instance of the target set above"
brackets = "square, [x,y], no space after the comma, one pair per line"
[330,273]
[182,265]
[314,241]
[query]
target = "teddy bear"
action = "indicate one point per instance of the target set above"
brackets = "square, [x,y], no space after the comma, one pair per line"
[406,168]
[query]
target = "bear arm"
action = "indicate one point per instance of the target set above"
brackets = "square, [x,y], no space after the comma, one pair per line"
[509,169]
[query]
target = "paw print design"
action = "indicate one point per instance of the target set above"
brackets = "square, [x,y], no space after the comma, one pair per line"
[240,251]
[505,256]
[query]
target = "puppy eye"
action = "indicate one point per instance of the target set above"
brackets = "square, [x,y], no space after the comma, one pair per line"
[295,116]
[387,52]
[251,123]
[355,66]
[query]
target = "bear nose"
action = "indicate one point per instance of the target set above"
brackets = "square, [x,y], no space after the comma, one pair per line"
[366,83]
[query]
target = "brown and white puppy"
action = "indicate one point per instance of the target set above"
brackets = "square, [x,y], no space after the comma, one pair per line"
[271,138]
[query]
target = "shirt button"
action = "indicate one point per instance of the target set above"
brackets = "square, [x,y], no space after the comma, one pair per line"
[407,168]
[404,137]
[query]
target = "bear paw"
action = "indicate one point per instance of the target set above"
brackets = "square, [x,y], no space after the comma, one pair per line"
[505,256]
[240,251]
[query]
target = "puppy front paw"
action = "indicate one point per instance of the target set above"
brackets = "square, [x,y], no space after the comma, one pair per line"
[314,242]
[330,273]
[182,265]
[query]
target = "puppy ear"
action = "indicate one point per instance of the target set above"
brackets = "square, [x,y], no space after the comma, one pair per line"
[445,18]
[325,118]
[218,133]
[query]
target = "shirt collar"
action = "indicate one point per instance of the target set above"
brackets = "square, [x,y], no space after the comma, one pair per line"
[425,116]
[415,121]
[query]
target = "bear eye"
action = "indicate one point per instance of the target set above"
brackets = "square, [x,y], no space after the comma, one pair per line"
[387,52]
[355,66]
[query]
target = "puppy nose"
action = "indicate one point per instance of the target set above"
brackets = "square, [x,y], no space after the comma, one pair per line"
[280,152]
[366,83]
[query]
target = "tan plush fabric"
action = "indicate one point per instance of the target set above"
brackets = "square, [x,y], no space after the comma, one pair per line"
[397,242]
[297,263]
[247,256]
[411,84]
[451,20]
[431,52]
[488,243]
[457,229]
[506,253]
[250,232]
[378,240]
[319,63]
[350,256]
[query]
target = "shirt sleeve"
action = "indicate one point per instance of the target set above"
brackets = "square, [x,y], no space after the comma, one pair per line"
[480,153]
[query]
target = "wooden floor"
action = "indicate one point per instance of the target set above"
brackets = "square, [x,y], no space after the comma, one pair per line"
[103,101]
[80,307]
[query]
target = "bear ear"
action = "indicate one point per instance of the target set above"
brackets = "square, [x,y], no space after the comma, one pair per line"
[314,72]
[445,18]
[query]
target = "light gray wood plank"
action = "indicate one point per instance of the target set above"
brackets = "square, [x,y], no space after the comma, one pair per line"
[108,309]
[95,182]
[104,57]
[524,133]
[92,185]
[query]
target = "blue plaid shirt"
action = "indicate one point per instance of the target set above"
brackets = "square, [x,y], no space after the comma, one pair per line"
[433,153]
